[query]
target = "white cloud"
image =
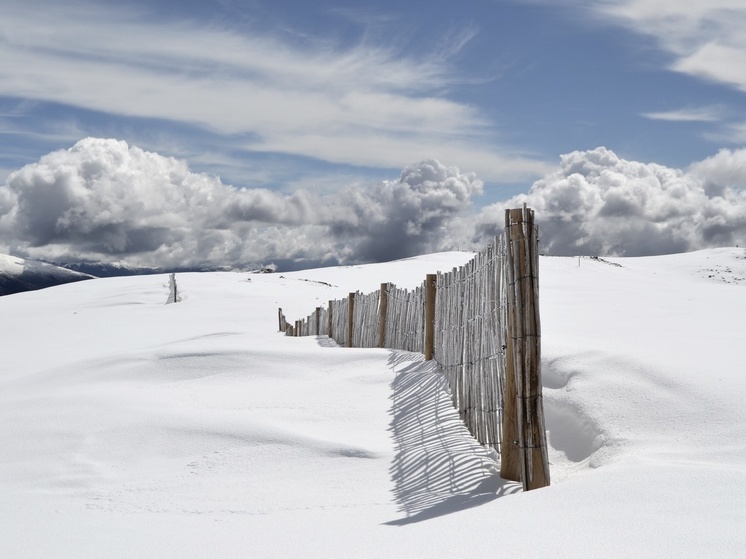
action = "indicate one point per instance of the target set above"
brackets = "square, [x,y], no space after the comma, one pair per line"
[102,200]
[734,133]
[725,170]
[705,37]
[310,99]
[600,204]
[698,114]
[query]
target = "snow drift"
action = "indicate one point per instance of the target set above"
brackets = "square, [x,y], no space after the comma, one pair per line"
[129,427]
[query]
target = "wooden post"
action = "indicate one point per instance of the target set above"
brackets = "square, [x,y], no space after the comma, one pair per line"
[350,318]
[297,328]
[524,351]
[318,320]
[430,280]
[330,333]
[510,457]
[382,312]
[280,317]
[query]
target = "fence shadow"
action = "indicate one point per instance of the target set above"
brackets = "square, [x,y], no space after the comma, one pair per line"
[438,468]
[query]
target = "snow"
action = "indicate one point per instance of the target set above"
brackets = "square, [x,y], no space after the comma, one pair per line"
[129,427]
[11,264]
[18,275]
[14,266]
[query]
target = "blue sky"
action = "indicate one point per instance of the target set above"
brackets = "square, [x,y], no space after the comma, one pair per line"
[284,93]
[312,98]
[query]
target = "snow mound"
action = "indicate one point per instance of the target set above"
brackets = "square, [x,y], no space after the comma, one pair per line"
[129,427]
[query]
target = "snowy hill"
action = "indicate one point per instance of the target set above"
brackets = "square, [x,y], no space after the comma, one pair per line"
[18,275]
[130,428]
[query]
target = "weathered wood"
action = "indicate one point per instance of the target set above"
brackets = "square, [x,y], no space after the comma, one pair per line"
[350,318]
[524,349]
[510,459]
[429,315]
[318,320]
[383,305]
[330,327]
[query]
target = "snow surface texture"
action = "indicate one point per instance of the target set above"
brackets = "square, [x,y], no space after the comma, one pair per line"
[18,275]
[132,428]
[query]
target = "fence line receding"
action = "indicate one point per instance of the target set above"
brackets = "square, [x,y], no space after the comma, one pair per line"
[480,324]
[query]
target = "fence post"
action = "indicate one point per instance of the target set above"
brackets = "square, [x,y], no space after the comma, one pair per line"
[524,349]
[510,457]
[382,312]
[350,318]
[430,280]
[280,317]
[318,320]
[330,333]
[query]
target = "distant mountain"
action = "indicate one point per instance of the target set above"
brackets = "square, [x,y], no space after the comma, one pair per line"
[104,270]
[18,275]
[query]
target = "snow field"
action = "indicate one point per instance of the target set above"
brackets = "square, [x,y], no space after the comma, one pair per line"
[129,427]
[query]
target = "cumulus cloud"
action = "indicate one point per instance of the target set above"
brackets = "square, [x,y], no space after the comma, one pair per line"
[726,169]
[598,203]
[105,201]
[412,215]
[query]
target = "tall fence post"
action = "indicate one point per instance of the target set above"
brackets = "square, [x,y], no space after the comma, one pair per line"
[524,350]
[318,320]
[382,314]
[280,318]
[430,280]
[350,318]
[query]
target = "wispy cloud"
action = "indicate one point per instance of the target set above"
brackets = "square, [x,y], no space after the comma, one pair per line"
[704,37]
[310,97]
[699,114]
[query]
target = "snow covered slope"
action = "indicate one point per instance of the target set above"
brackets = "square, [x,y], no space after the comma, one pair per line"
[130,428]
[18,275]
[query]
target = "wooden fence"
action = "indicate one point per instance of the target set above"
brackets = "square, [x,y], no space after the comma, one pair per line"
[480,323]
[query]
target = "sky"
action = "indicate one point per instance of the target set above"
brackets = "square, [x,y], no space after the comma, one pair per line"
[332,102]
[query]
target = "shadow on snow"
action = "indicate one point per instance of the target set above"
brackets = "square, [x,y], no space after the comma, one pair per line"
[438,468]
